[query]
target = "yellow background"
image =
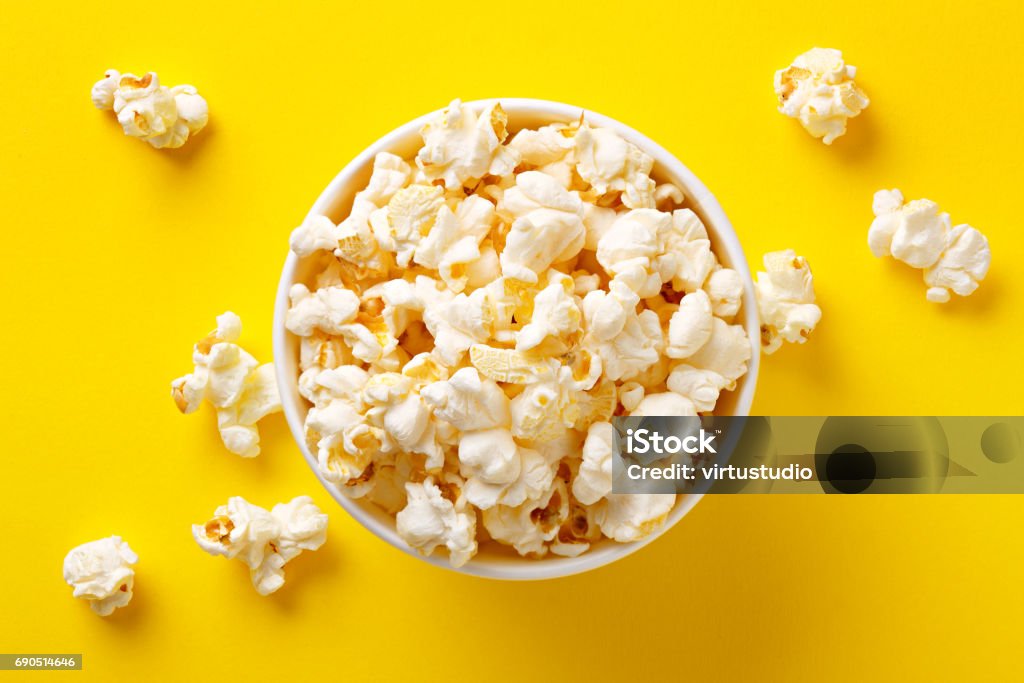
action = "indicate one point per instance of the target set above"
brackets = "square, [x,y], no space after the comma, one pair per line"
[117,257]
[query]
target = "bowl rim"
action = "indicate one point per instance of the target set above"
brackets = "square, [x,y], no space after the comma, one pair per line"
[697,194]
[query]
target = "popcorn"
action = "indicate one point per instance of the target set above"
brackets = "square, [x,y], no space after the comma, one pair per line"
[468,401]
[242,390]
[101,573]
[785,298]
[263,541]
[914,233]
[329,309]
[962,266]
[628,517]
[690,326]
[688,240]
[664,403]
[917,233]
[104,89]
[818,90]
[316,233]
[163,117]
[610,164]
[498,471]
[547,227]
[725,353]
[531,526]
[725,288]
[508,365]
[454,241]
[594,479]
[430,520]
[627,342]
[633,250]
[481,314]
[460,148]
[407,218]
[555,313]
[700,387]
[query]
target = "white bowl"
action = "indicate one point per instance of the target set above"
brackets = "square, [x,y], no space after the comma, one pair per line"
[335,201]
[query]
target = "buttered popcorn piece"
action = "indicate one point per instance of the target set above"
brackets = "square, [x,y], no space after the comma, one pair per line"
[954,259]
[239,388]
[785,298]
[162,116]
[481,314]
[263,540]
[818,90]
[101,573]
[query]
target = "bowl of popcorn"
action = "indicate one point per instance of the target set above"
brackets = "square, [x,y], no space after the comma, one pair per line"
[472,300]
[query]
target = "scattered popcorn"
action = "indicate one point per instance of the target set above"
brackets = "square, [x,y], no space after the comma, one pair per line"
[163,117]
[785,299]
[264,541]
[101,573]
[818,90]
[239,388]
[954,259]
[481,314]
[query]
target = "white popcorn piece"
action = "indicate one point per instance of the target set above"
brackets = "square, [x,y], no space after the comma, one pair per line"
[627,342]
[237,421]
[962,266]
[317,233]
[103,90]
[630,395]
[634,250]
[594,479]
[818,89]
[688,241]
[914,233]
[725,353]
[701,387]
[555,313]
[430,520]
[533,525]
[329,309]
[725,288]
[163,117]
[611,164]
[263,541]
[954,259]
[628,517]
[785,299]
[242,390]
[460,147]
[664,403]
[101,573]
[469,402]
[546,409]
[690,326]
[499,471]
[454,240]
[458,323]
[547,226]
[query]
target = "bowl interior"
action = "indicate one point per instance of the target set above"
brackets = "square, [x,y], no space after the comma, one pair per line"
[494,560]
